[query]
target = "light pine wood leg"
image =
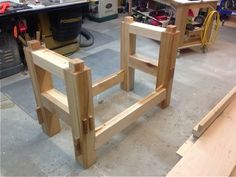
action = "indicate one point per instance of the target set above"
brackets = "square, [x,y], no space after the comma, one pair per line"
[128,47]
[79,94]
[167,59]
[41,81]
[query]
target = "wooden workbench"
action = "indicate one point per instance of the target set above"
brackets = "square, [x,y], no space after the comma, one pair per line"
[182,7]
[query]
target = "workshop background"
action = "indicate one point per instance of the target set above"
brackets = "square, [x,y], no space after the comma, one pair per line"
[90,30]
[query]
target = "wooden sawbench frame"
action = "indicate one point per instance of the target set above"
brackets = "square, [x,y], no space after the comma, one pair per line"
[76,108]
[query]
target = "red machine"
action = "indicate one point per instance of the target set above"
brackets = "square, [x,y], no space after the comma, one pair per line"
[22,27]
[4,6]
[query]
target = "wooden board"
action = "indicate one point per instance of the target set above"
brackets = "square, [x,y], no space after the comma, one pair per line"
[145,65]
[233,173]
[145,30]
[199,129]
[186,146]
[50,61]
[214,153]
[108,82]
[125,118]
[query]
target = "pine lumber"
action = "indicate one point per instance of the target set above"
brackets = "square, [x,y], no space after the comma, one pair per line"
[201,127]
[214,153]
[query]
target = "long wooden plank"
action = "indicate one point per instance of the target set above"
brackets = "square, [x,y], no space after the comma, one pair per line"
[201,127]
[144,65]
[50,61]
[145,30]
[125,118]
[108,82]
[214,153]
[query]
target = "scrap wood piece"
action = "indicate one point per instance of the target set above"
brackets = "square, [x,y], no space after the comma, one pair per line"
[214,153]
[186,146]
[202,126]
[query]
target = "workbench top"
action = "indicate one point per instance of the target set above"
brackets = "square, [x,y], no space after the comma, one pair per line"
[44,6]
[193,2]
[183,2]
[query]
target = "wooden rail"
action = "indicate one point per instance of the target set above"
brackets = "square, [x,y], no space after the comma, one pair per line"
[202,126]
[106,83]
[144,65]
[50,61]
[76,107]
[145,30]
[125,118]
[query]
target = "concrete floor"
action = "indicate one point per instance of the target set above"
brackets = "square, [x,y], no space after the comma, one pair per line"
[145,148]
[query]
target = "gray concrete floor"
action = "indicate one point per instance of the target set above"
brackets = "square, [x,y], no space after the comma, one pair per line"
[145,148]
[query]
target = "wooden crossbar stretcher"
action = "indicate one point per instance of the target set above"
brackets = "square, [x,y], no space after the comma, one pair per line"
[76,108]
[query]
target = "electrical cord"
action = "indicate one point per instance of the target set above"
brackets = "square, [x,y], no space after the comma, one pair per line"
[213,15]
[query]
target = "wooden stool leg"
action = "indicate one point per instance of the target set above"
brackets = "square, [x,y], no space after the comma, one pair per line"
[41,82]
[49,121]
[80,101]
[128,47]
[167,59]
